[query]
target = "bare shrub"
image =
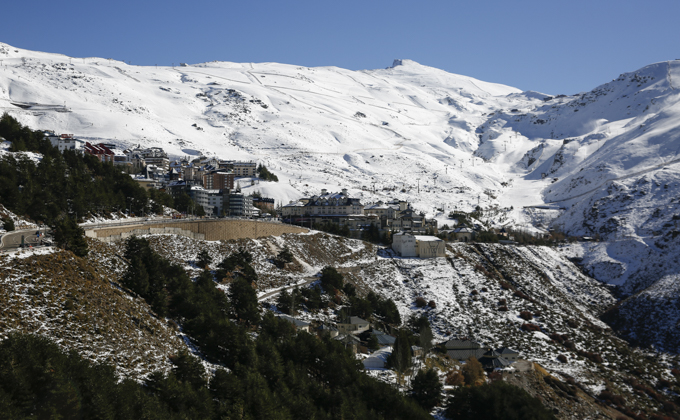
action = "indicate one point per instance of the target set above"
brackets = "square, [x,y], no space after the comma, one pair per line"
[521,294]
[473,371]
[663,383]
[505,285]
[454,378]
[573,323]
[612,399]
[526,315]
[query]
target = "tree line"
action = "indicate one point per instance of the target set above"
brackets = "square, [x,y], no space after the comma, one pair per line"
[68,185]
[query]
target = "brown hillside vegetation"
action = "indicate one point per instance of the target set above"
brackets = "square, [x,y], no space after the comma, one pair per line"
[65,298]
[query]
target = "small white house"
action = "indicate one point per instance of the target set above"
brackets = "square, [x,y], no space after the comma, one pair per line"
[66,142]
[404,244]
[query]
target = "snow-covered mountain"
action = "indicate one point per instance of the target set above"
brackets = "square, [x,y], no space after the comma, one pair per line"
[608,158]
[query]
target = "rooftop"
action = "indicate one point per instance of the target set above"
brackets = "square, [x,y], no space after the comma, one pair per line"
[424,238]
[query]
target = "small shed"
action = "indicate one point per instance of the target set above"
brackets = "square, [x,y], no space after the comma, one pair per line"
[378,359]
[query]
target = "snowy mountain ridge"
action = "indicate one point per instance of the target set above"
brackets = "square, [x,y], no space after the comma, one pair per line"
[441,141]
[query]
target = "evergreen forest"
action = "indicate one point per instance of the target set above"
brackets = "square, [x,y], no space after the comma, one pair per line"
[60,189]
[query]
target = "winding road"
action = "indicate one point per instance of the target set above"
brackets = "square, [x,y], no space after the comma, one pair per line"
[12,240]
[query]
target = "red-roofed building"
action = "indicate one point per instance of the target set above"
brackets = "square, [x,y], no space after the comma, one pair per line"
[102,152]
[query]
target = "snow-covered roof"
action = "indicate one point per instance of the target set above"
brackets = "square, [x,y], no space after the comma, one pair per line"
[383,338]
[426,238]
[355,320]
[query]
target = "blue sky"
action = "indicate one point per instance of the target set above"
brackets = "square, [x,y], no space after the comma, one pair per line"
[549,46]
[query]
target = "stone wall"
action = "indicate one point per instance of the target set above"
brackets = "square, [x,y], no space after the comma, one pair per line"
[210,230]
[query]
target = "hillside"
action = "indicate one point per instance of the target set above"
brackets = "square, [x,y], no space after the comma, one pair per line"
[441,141]
[479,291]
[65,298]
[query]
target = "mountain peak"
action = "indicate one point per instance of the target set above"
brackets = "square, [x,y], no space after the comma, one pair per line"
[402,62]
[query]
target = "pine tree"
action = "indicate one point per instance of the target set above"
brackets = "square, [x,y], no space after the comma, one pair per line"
[244,303]
[8,224]
[284,257]
[136,277]
[400,359]
[70,236]
[189,369]
[426,389]
[331,279]
[372,342]
[203,259]
[425,340]
[284,303]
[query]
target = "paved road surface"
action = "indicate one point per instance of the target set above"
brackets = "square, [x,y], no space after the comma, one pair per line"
[309,280]
[12,239]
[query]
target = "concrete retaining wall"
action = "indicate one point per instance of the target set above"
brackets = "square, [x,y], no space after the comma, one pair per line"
[210,230]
